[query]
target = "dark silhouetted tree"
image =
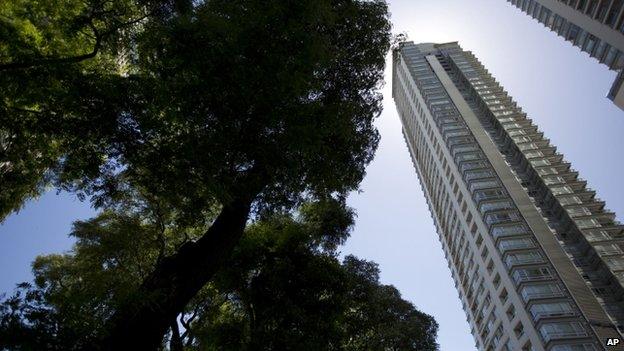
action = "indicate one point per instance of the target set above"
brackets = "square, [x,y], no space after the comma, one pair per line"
[217,109]
[283,289]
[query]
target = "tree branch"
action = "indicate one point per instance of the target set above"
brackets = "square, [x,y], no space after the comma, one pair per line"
[99,37]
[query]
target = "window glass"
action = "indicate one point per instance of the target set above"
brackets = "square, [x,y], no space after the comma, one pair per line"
[527,146]
[546,171]
[553,180]
[615,263]
[501,217]
[483,184]
[468,156]
[529,274]
[559,190]
[578,211]
[465,148]
[558,330]
[608,249]
[527,257]
[508,230]
[540,162]
[540,291]
[597,235]
[587,223]
[521,139]
[551,309]
[570,200]
[495,205]
[533,154]
[515,244]
[473,165]
[478,174]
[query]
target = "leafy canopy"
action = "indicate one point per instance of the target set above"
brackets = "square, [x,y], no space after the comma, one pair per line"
[192,101]
[284,288]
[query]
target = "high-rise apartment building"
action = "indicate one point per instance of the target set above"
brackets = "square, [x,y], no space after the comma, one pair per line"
[595,26]
[535,256]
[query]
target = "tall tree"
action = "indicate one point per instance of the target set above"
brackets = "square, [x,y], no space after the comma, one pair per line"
[283,289]
[227,106]
[58,63]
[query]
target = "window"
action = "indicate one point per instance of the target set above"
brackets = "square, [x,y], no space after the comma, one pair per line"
[501,217]
[527,257]
[529,274]
[465,148]
[540,162]
[519,330]
[587,223]
[498,335]
[558,330]
[509,346]
[540,290]
[503,296]
[597,235]
[527,146]
[468,156]
[615,263]
[551,309]
[608,249]
[560,190]
[508,230]
[553,180]
[473,165]
[570,200]
[511,312]
[515,244]
[456,134]
[495,205]
[483,184]
[512,125]
[478,174]
[514,133]
[534,154]
[546,171]
[521,139]
[480,195]
[578,211]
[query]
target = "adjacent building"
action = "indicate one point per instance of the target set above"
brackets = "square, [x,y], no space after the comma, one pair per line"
[595,26]
[536,257]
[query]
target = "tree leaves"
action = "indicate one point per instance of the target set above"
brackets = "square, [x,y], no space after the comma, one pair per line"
[283,289]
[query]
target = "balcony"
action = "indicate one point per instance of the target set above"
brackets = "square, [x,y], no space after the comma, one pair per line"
[562,330]
[523,259]
[532,274]
[541,295]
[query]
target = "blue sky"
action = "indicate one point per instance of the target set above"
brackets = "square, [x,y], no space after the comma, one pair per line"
[562,89]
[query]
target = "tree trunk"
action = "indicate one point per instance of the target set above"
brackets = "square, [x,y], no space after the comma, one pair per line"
[176,341]
[142,322]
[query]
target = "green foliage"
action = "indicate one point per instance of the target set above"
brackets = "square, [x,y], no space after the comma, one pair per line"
[59,60]
[287,89]
[284,288]
[199,106]
[283,291]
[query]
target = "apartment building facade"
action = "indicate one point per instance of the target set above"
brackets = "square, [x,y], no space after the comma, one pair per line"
[536,258]
[595,26]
